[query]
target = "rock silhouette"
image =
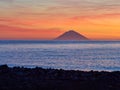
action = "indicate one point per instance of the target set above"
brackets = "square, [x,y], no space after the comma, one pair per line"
[71,35]
[20,78]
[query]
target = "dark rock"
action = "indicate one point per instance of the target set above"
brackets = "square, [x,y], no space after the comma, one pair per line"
[18,78]
[4,67]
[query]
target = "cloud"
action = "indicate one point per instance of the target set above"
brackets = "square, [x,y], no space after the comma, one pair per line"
[69,7]
[5,20]
[100,16]
[5,28]
[9,32]
[108,20]
[91,5]
[7,1]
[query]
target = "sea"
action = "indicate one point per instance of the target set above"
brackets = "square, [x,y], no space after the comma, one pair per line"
[68,55]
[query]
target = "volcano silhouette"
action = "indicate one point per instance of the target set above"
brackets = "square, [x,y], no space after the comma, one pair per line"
[71,35]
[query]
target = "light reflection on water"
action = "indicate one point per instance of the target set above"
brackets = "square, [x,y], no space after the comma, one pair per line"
[87,55]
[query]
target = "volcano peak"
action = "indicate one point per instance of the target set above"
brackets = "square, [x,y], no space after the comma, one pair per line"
[71,35]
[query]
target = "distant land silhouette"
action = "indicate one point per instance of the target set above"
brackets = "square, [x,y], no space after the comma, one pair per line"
[71,35]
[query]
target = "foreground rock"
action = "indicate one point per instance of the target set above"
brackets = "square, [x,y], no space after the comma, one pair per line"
[17,78]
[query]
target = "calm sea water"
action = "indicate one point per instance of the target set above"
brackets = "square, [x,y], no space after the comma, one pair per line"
[69,55]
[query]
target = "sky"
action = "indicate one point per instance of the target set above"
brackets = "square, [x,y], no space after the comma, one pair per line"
[47,19]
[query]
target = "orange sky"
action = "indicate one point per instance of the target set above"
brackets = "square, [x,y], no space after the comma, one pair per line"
[47,19]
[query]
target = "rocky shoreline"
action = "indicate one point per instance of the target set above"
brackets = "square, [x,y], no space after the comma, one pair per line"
[20,78]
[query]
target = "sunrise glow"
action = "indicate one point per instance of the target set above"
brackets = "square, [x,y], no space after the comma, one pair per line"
[47,19]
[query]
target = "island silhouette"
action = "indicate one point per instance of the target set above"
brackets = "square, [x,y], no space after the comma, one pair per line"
[71,35]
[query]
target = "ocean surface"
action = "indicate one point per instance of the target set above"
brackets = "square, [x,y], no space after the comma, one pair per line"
[68,55]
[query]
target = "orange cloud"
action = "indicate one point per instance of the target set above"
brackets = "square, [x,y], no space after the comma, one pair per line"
[8,32]
[44,19]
